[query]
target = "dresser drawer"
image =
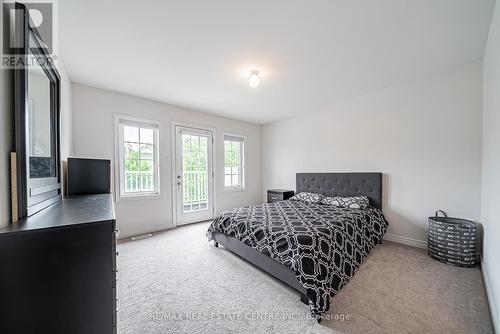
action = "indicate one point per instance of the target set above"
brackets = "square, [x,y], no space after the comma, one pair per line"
[273,197]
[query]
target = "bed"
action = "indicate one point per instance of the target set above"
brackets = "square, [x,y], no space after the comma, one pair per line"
[315,248]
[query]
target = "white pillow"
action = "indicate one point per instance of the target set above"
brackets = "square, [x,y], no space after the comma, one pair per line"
[358,202]
[308,197]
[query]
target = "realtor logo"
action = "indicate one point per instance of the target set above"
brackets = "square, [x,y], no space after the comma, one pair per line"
[40,18]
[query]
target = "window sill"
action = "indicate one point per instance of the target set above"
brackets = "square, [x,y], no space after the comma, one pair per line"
[138,197]
[232,190]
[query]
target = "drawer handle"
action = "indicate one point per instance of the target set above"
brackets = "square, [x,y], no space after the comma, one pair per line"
[117,304]
[274,197]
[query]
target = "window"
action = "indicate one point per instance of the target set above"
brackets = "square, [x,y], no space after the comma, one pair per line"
[234,163]
[138,147]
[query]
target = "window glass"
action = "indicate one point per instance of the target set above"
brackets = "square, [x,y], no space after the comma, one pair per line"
[139,170]
[233,162]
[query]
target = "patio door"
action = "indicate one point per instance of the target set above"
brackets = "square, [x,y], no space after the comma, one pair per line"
[193,174]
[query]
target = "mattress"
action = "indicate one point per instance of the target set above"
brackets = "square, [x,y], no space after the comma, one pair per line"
[322,244]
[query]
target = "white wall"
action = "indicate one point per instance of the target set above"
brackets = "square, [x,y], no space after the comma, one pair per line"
[5,145]
[66,115]
[491,166]
[66,102]
[5,136]
[66,122]
[424,135]
[93,111]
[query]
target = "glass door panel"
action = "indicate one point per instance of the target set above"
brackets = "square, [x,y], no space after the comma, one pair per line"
[194,173]
[194,177]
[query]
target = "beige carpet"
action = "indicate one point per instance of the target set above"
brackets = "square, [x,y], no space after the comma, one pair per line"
[399,289]
[177,282]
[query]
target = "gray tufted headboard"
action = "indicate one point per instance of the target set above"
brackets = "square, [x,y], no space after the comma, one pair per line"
[343,184]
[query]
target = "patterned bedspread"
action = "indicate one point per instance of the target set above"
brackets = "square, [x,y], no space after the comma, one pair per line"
[322,244]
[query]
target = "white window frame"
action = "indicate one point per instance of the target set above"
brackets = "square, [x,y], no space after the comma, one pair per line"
[242,168]
[120,121]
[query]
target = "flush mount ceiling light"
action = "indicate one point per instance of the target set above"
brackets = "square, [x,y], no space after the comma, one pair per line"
[254,79]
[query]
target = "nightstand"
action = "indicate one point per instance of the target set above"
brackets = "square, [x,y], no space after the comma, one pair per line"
[275,195]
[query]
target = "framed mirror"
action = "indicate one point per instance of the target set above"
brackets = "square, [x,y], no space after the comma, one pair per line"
[37,147]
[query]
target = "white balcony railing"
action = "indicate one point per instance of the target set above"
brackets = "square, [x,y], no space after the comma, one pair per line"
[195,190]
[195,187]
[136,181]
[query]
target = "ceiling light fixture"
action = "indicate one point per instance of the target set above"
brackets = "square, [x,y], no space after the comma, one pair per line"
[254,79]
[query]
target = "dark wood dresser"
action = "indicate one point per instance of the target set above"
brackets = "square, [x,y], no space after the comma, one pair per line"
[58,269]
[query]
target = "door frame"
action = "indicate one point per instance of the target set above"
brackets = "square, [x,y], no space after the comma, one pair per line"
[173,131]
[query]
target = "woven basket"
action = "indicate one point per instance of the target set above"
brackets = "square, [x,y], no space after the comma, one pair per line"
[453,240]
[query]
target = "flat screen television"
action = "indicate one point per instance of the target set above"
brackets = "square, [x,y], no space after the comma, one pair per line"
[89,176]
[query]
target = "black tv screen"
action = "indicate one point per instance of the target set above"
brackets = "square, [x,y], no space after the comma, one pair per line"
[89,176]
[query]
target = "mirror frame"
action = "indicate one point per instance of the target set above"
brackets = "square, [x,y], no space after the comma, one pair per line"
[34,194]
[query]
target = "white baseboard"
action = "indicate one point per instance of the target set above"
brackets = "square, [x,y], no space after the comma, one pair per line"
[405,240]
[130,233]
[491,301]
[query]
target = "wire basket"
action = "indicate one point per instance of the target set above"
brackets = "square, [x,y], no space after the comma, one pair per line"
[453,240]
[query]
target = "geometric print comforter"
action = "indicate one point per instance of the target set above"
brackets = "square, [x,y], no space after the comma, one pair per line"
[322,244]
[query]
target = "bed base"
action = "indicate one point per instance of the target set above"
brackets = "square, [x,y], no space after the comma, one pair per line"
[262,261]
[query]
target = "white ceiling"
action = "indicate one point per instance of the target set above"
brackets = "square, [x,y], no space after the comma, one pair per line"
[311,54]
